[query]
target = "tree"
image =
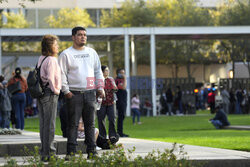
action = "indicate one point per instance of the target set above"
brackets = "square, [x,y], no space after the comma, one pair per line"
[17,21]
[235,12]
[132,13]
[162,13]
[181,13]
[68,18]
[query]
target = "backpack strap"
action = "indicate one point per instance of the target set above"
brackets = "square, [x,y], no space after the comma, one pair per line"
[38,69]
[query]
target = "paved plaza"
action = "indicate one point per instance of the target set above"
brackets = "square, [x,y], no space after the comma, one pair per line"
[11,144]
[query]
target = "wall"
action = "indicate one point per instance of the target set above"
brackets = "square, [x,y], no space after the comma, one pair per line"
[201,73]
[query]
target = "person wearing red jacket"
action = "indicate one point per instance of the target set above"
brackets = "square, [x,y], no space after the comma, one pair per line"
[211,100]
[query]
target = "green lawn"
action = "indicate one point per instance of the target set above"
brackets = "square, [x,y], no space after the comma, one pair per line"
[193,130]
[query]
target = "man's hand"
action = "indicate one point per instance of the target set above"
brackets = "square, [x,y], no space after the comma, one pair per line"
[100,93]
[69,95]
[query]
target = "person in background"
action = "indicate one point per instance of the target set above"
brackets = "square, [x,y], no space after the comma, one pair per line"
[169,96]
[135,108]
[232,101]
[211,100]
[225,99]
[50,74]
[107,108]
[34,107]
[5,104]
[179,99]
[147,106]
[1,87]
[163,102]
[220,120]
[239,99]
[19,99]
[121,103]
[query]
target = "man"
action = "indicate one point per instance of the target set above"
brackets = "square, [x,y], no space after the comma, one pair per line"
[81,76]
[121,103]
[220,120]
[225,98]
[179,100]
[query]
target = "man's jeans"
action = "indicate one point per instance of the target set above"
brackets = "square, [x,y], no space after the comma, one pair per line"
[101,114]
[47,106]
[82,104]
[217,124]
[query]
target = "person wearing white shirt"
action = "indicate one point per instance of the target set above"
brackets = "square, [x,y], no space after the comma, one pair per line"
[81,79]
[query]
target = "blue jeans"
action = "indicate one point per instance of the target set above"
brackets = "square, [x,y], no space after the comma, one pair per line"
[169,108]
[136,112]
[180,106]
[19,102]
[238,108]
[5,121]
[217,124]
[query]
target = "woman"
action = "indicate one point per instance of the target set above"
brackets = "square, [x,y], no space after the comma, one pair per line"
[135,108]
[19,98]
[50,74]
[107,108]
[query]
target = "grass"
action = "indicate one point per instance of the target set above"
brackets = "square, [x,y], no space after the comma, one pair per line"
[193,130]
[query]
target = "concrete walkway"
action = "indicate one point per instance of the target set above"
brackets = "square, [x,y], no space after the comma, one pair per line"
[237,127]
[213,156]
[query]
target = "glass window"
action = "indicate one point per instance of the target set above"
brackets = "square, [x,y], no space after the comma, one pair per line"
[30,15]
[42,14]
[92,13]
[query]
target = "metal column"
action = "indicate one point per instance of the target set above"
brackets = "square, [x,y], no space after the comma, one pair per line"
[127,69]
[0,55]
[110,59]
[153,70]
[133,58]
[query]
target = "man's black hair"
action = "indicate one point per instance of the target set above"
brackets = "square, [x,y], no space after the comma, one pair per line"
[75,29]
[118,70]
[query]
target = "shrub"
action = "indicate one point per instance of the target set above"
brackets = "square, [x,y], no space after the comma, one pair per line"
[116,157]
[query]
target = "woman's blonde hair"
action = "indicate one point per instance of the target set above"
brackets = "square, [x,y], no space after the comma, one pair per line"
[47,42]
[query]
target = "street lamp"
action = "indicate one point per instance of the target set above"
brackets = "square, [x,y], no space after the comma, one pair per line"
[231,74]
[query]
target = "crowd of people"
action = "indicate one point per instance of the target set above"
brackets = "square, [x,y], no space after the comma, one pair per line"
[234,101]
[172,103]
